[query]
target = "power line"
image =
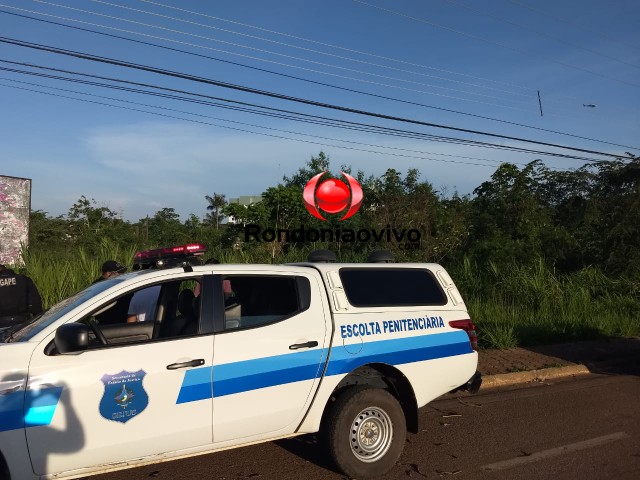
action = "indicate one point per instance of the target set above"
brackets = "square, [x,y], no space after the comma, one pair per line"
[250,131]
[290,115]
[279,96]
[265,70]
[538,32]
[299,47]
[532,90]
[408,102]
[241,123]
[316,42]
[493,42]
[260,59]
[548,15]
[292,57]
[246,107]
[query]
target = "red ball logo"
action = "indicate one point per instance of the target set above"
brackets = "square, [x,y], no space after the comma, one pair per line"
[332,196]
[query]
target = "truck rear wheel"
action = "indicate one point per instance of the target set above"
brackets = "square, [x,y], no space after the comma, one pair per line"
[366,432]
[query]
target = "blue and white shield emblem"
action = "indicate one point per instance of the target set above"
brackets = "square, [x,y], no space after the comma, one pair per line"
[124,396]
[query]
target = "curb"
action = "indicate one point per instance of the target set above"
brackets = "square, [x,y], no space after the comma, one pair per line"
[506,379]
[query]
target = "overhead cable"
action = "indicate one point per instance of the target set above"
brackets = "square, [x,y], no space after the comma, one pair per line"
[261,59]
[538,32]
[316,82]
[250,131]
[493,42]
[339,47]
[296,116]
[280,96]
[600,32]
[299,47]
[284,55]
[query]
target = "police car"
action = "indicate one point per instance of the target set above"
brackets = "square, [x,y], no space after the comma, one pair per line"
[230,355]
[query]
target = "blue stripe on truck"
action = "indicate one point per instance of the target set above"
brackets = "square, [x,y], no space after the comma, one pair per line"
[248,375]
[400,351]
[33,409]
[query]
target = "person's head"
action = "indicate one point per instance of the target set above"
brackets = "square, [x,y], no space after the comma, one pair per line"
[111,268]
[5,270]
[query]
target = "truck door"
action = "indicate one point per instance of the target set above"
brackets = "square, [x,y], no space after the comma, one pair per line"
[120,401]
[270,355]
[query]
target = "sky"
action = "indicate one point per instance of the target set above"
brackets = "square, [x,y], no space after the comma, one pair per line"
[563,73]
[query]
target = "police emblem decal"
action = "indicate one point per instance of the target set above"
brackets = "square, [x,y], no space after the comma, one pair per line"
[124,396]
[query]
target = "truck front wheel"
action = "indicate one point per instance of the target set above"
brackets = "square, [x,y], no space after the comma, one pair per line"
[366,432]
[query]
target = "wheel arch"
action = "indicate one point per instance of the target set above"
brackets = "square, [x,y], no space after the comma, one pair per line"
[387,377]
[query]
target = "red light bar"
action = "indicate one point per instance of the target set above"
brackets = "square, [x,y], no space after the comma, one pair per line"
[180,250]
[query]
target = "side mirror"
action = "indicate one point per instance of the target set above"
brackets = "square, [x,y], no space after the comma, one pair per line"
[72,338]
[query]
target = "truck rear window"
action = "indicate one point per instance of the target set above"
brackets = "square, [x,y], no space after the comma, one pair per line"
[391,287]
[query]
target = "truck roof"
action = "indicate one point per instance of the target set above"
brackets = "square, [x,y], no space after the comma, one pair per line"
[329,267]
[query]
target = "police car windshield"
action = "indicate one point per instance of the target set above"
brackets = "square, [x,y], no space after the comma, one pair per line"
[27,331]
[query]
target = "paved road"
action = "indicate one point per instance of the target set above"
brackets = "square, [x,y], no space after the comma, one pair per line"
[585,428]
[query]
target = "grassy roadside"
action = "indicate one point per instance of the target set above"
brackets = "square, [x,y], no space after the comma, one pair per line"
[516,305]
[511,305]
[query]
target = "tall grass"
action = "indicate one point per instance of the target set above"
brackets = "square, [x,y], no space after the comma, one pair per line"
[60,276]
[510,304]
[525,305]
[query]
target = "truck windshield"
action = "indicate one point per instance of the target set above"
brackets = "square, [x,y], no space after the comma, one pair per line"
[24,332]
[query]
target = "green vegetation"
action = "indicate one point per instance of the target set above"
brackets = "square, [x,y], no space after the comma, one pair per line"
[529,304]
[539,255]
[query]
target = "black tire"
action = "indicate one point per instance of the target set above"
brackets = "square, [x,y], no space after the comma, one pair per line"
[365,432]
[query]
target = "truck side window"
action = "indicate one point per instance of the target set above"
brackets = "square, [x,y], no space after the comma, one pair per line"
[391,287]
[162,310]
[256,300]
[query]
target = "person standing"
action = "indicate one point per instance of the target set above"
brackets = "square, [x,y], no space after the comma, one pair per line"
[117,313]
[110,268]
[19,298]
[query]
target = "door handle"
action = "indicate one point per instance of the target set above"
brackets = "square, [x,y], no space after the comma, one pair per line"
[297,346]
[191,363]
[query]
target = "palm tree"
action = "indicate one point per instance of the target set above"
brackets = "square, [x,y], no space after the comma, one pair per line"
[216,202]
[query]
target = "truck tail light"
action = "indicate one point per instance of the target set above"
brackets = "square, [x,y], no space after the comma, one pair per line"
[470,328]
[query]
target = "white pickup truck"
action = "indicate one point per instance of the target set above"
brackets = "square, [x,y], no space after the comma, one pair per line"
[230,355]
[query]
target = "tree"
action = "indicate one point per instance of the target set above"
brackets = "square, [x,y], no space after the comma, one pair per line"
[89,225]
[216,203]
[165,228]
[614,215]
[313,167]
[509,219]
[48,233]
[87,216]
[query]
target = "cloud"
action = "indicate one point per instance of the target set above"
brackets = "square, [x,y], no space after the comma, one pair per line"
[140,168]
